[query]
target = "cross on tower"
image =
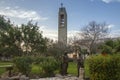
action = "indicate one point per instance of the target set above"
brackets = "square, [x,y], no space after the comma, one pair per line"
[61,4]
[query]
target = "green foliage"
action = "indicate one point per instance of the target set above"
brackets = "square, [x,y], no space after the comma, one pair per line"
[4,24]
[110,46]
[24,40]
[57,50]
[117,47]
[9,38]
[37,69]
[23,64]
[38,60]
[86,68]
[34,42]
[107,49]
[48,65]
[104,67]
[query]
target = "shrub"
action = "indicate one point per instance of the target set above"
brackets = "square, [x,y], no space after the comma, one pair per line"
[104,67]
[23,64]
[48,65]
[38,60]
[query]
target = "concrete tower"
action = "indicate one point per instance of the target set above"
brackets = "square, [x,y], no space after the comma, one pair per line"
[62,25]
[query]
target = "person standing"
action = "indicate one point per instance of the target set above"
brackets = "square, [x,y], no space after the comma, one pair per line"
[79,64]
[64,64]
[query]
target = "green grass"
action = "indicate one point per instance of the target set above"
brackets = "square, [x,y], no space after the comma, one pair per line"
[36,69]
[5,63]
[72,68]
[2,70]
[87,74]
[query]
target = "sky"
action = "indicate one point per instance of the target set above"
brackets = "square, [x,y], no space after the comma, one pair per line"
[79,13]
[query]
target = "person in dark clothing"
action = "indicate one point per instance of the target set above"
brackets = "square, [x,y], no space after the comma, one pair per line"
[64,64]
[79,64]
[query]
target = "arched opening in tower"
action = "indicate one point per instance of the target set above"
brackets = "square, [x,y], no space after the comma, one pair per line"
[62,20]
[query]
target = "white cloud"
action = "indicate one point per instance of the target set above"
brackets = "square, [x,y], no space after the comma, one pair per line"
[115,33]
[72,33]
[21,14]
[111,26]
[108,1]
[53,34]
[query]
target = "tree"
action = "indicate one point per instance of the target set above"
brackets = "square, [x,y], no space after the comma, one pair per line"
[60,51]
[32,39]
[4,24]
[56,50]
[18,41]
[117,46]
[92,33]
[110,46]
[9,38]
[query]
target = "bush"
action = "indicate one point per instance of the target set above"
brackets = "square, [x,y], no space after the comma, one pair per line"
[104,67]
[48,65]
[23,64]
[38,60]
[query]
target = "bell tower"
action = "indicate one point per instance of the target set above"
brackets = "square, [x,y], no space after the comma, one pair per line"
[62,25]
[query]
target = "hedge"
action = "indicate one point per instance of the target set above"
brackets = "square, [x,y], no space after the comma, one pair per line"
[104,67]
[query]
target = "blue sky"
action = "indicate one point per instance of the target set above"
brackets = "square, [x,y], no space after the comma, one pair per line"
[80,13]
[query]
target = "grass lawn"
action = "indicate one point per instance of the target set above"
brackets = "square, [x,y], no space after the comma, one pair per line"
[87,74]
[2,70]
[72,68]
[36,69]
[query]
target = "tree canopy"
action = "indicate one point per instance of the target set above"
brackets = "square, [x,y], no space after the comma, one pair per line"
[92,33]
[18,41]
